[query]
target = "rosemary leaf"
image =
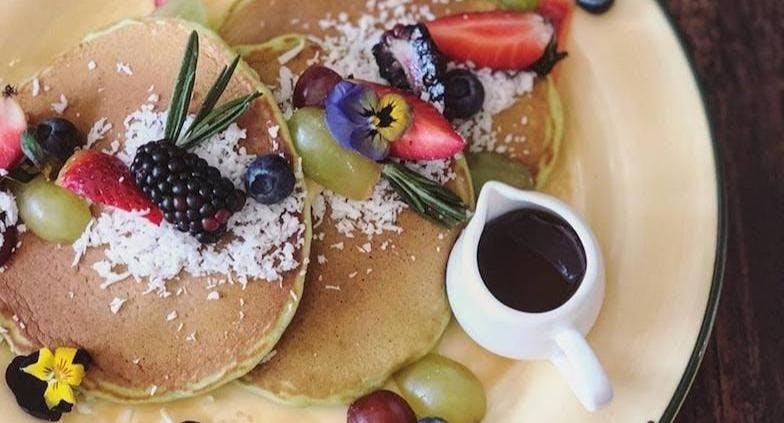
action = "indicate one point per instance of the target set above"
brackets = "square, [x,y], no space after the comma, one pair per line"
[215,93]
[425,196]
[183,89]
[218,120]
[32,149]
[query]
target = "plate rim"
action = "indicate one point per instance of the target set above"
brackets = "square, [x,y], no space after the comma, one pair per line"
[711,308]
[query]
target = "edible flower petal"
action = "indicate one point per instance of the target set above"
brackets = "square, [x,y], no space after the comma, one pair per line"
[360,121]
[43,382]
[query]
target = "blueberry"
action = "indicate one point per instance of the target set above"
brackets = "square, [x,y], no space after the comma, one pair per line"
[465,94]
[58,136]
[431,420]
[596,6]
[269,179]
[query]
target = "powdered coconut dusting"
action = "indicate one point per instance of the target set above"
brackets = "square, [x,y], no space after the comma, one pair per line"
[9,214]
[262,240]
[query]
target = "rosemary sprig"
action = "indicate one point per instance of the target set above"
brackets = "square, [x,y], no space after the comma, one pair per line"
[183,89]
[209,120]
[425,196]
[217,120]
[215,93]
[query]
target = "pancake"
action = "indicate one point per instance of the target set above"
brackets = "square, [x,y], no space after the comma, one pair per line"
[141,353]
[535,141]
[364,314]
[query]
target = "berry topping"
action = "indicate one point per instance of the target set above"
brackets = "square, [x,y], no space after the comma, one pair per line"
[381,407]
[58,136]
[192,195]
[596,6]
[558,13]
[314,85]
[502,40]
[465,94]
[269,179]
[12,124]
[521,5]
[362,120]
[431,420]
[409,60]
[7,244]
[430,136]
[105,179]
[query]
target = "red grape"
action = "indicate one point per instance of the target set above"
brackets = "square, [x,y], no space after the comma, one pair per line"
[381,407]
[314,86]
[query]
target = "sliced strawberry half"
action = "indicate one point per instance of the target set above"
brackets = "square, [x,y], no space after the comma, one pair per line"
[12,124]
[502,40]
[430,137]
[159,3]
[559,13]
[105,179]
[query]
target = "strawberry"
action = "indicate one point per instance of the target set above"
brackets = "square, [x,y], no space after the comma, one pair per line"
[502,40]
[430,137]
[105,179]
[159,3]
[559,13]
[12,124]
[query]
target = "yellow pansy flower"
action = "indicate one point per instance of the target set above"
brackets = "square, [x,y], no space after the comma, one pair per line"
[60,373]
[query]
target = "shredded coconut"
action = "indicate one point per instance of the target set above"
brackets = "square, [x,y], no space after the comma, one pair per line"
[91,65]
[60,106]
[36,89]
[116,305]
[171,316]
[100,128]
[124,68]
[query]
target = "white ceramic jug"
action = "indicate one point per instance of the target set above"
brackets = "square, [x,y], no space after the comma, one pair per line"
[557,335]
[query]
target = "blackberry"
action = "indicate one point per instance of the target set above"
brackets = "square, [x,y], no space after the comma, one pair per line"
[408,59]
[192,195]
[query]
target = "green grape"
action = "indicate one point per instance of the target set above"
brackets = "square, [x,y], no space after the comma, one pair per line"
[438,386]
[340,170]
[486,167]
[522,5]
[52,213]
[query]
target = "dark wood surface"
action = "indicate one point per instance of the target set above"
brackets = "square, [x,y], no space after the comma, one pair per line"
[738,49]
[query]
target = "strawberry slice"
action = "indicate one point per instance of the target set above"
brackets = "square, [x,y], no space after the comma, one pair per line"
[159,3]
[502,40]
[12,124]
[559,13]
[105,179]
[430,137]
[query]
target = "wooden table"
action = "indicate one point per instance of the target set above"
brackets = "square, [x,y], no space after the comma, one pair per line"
[738,49]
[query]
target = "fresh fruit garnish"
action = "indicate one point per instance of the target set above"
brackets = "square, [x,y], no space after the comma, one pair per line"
[465,94]
[8,233]
[105,179]
[596,6]
[409,60]
[438,386]
[8,240]
[502,40]
[521,5]
[314,85]
[52,213]
[558,13]
[431,420]
[361,120]
[12,123]
[380,407]
[269,179]
[192,194]
[58,136]
[339,169]
[487,166]
[430,137]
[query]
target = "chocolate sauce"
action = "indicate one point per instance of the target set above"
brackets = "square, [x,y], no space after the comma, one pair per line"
[531,260]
